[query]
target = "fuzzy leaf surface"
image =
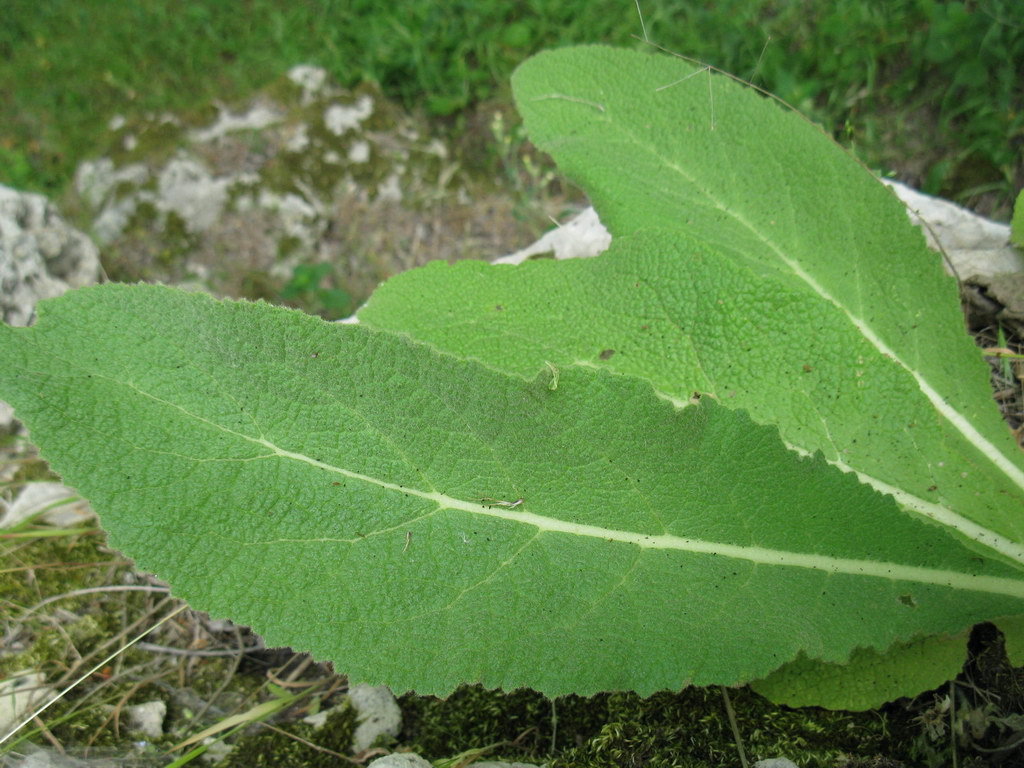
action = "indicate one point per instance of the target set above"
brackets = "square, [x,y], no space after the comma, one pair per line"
[333,486]
[859,683]
[752,259]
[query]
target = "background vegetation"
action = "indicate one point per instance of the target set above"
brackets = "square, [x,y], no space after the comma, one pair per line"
[930,91]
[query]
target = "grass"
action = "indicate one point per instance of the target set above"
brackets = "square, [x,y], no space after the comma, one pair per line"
[926,89]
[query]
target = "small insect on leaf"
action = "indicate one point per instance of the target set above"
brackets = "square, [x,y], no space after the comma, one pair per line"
[501,503]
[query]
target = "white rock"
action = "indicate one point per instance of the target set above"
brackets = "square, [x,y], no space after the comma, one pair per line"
[390,189]
[359,152]
[400,760]
[378,714]
[298,217]
[216,749]
[36,757]
[258,117]
[41,256]
[6,415]
[310,79]
[775,762]
[148,718]
[20,693]
[298,141]
[977,247]
[94,179]
[36,497]
[113,220]
[339,118]
[188,189]
[582,236]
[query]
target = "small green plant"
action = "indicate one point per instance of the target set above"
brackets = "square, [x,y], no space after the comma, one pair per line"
[306,289]
[746,443]
[527,179]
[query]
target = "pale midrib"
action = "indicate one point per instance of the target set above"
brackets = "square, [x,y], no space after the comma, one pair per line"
[931,510]
[959,422]
[759,555]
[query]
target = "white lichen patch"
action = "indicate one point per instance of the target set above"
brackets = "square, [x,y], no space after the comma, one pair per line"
[187,189]
[298,217]
[359,152]
[94,179]
[297,140]
[390,190]
[310,79]
[338,118]
[256,118]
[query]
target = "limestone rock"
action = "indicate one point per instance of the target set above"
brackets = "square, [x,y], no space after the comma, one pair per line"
[379,715]
[978,249]
[400,760]
[20,693]
[582,236]
[148,718]
[237,199]
[41,255]
[775,762]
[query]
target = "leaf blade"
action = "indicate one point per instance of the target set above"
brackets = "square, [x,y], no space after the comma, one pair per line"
[824,272]
[259,412]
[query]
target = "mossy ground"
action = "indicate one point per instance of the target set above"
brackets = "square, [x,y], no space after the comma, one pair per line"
[689,728]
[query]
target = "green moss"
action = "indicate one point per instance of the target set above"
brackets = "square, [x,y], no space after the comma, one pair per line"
[265,748]
[287,245]
[284,91]
[34,574]
[473,717]
[237,190]
[689,728]
[143,217]
[25,586]
[155,141]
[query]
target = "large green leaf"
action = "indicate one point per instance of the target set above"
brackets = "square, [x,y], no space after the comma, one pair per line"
[855,684]
[753,260]
[334,486]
